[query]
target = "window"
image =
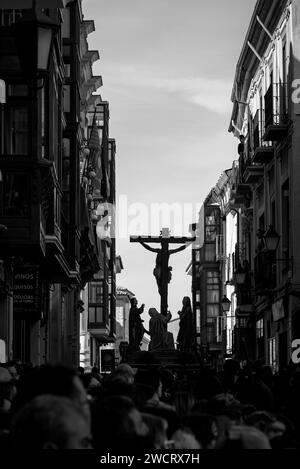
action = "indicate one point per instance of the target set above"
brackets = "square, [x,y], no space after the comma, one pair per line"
[120,315]
[95,293]
[15,121]
[9,17]
[67,98]
[198,320]
[55,124]
[212,288]
[95,314]
[211,330]
[285,210]
[66,165]
[212,305]
[66,25]
[213,310]
[211,223]
[15,195]
[16,133]
[17,90]
[260,329]
[96,300]
[210,253]
[242,323]
[272,353]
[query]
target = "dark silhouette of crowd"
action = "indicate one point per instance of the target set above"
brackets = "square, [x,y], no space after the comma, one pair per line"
[150,407]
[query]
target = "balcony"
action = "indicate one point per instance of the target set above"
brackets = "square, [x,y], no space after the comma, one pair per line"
[263,150]
[276,112]
[240,194]
[254,173]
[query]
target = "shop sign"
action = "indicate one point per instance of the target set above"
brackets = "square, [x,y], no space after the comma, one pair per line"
[26,289]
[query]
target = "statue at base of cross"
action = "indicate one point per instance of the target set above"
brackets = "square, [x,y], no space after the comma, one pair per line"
[160,338]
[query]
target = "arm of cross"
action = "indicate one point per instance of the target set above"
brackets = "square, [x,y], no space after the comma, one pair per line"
[149,248]
[181,248]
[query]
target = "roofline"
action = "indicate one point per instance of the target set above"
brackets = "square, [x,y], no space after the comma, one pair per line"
[275,10]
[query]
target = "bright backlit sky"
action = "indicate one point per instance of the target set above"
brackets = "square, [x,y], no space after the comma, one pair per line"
[168,68]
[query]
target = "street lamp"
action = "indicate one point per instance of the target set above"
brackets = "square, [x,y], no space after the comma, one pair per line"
[34,33]
[271,239]
[225,304]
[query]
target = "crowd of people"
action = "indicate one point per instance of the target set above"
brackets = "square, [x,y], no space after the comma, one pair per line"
[150,407]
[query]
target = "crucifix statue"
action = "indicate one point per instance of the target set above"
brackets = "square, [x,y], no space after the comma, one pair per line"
[162,270]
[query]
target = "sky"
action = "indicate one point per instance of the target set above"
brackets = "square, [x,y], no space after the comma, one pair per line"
[167,68]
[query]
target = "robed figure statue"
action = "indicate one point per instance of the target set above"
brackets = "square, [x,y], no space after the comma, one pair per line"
[185,338]
[136,328]
[158,330]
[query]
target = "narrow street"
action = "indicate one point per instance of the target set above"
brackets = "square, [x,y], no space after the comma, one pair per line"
[149,226]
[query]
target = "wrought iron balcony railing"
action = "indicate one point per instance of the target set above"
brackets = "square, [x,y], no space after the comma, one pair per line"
[276,112]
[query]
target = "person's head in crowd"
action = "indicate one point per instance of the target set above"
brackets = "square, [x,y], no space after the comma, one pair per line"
[80,370]
[204,428]
[58,380]
[149,382]
[261,420]
[96,373]
[148,397]
[231,367]
[247,409]
[225,404]
[8,389]
[123,373]
[11,366]
[276,429]
[184,402]
[116,422]
[117,388]
[244,437]
[157,430]
[206,385]
[167,377]
[273,426]
[184,439]
[50,422]
[91,384]
[282,434]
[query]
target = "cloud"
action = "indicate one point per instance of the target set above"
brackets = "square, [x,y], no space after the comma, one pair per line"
[212,94]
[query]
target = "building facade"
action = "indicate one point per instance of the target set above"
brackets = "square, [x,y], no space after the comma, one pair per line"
[49,246]
[266,186]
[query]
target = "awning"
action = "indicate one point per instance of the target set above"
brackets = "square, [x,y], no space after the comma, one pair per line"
[26,4]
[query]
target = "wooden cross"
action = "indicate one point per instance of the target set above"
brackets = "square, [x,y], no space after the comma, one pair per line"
[163,255]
